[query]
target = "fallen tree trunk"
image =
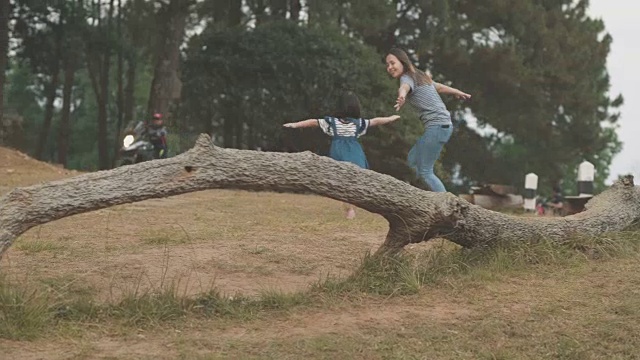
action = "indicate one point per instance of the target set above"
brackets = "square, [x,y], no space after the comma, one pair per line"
[414,215]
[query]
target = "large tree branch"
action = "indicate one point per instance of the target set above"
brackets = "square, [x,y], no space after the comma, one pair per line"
[414,215]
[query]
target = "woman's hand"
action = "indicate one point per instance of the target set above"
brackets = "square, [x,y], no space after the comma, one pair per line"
[399,102]
[444,89]
[290,125]
[462,95]
[403,90]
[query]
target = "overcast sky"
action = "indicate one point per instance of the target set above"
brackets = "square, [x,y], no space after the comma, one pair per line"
[621,21]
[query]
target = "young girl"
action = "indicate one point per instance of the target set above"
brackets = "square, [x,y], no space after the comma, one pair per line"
[423,94]
[345,129]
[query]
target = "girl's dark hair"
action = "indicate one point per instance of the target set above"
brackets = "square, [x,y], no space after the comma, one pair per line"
[349,106]
[419,76]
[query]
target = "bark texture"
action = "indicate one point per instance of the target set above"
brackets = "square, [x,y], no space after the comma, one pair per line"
[166,85]
[414,215]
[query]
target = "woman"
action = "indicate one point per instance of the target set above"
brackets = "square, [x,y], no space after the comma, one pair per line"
[422,92]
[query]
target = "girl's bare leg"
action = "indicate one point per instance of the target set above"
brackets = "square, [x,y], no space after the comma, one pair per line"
[350,211]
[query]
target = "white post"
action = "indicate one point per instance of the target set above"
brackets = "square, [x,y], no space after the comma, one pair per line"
[530,187]
[586,174]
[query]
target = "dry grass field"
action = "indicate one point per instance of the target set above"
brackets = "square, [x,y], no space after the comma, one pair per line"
[236,275]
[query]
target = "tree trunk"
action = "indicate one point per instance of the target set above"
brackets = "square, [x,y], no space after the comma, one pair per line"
[129,91]
[98,67]
[64,129]
[414,215]
[48,111]
[103,152]
[235,13]
[103,117]
[294,9]
[5,8]
[259,10]
[228,12]
[278,9]
[227,132]
[239,131]
[251,137]
[136,42]
[166,86]
[120,91]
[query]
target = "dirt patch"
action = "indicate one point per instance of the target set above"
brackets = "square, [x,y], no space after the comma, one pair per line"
[18,169]
[368,314]
[238,242]
[234,241]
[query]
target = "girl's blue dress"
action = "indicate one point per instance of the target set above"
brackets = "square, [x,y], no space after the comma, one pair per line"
[344,144]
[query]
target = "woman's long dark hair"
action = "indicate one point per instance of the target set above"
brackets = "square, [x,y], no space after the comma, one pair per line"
[419,76]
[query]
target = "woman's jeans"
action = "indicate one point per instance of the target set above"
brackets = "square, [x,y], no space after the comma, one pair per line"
[426,151]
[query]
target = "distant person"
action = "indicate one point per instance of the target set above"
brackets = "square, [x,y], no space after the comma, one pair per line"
[423,94]
[345,129]
[158,136]
[556,203]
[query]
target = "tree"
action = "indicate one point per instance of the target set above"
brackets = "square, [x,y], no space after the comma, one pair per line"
[166,85]
[537,71]
[265,11]
[98,44]
[82,26]
[543,86]
[230,94]
[40,29]
[22,99]
[5,9]
[71,58]
[140,30]
[373,22]
[220,13]
[413,215]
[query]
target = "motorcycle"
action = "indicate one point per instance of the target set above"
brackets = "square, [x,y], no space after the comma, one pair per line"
[136,147]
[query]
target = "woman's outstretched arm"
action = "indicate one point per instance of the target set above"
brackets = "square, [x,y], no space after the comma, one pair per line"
[383,120]
[444,89]
[403,90]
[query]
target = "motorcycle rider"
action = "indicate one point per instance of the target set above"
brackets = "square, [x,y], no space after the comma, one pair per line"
[157,134]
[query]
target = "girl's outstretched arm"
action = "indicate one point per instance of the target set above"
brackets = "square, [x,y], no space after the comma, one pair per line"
[383,120]
[444,89]
[302,124]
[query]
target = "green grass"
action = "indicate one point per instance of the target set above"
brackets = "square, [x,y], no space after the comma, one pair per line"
[572,323]
[149,309]
[392,275]
[38,246]
[164,237]
[24,313]
[447,263]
